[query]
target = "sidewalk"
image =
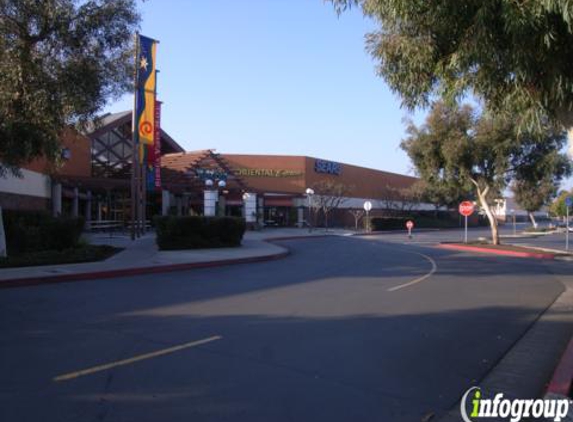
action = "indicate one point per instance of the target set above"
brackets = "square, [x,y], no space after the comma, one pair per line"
[143,257]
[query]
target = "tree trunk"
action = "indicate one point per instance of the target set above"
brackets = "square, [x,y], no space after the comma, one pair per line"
[532,218]
[482,196]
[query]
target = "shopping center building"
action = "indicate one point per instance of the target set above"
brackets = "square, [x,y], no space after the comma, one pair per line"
[94,182]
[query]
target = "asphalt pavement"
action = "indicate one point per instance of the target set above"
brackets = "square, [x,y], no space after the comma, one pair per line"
[344,329]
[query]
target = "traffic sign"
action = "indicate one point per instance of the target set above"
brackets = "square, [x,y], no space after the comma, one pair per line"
[367,206]
[409,224]
[466,208]
[569,201]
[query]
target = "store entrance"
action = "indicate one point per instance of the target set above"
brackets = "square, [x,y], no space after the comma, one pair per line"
[279,216]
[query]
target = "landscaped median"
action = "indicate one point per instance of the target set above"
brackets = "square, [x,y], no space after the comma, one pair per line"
[37,238]
[506,250]
[175,233]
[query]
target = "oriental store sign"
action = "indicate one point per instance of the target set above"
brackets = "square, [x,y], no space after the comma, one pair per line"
[277,173]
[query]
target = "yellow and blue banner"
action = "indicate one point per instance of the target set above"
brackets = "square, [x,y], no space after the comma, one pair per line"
[145,91]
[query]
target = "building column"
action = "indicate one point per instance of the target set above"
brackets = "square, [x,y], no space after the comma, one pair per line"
[261,211]
[3,252]
[88,209]
[210,198]
[300,217]
[165,202]
[250,207]
[222,206]
[56,199]
[76,203]
[179,204]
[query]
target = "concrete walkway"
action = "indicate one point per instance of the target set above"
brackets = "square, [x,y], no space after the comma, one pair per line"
[143,254]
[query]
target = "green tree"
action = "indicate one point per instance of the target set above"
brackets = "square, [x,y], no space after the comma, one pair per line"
[558,207]
[60,62]
[537,181]
[515,55]
[457,147]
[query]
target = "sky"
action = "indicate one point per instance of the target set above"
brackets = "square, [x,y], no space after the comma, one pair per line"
[272,77]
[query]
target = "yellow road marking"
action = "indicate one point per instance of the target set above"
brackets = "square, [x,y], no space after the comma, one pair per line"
[419,279]
[99,368]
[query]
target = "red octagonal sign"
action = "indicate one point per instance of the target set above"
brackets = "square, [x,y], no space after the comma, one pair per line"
[409,224]
[466,208]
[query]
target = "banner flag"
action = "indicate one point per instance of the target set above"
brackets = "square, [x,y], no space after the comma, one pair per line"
[153,160]
[145,90]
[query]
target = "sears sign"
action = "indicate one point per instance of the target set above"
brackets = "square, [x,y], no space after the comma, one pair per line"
[328,167]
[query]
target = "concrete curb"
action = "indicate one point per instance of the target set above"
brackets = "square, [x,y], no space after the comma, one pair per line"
[125,272]
[154,269]
[561,383]
[525,368]
[516,254]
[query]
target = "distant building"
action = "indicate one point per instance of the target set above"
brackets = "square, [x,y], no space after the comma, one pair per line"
[506,207]
[94,181]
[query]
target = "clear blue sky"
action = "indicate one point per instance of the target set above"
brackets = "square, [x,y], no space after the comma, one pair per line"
[272,77]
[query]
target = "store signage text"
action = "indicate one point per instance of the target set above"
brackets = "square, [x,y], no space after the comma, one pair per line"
[212,174]
[328,167]
[267,173]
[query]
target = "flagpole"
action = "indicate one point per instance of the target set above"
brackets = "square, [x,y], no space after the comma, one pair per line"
[143,189]
[134,144]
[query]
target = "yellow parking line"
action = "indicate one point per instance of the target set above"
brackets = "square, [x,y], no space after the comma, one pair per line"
[99,368]
[419,279]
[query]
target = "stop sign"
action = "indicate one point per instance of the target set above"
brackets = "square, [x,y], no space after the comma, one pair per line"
[409,224]
[466,208]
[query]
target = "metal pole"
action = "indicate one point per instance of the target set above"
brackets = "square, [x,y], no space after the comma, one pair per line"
[465,229]
[567,230]
[368,221]
[309,215]
[143,196]
[514,230]
[134,152]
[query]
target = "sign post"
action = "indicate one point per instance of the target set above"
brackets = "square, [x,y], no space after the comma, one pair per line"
[466,209]
[568,203]
[409,226]
[367,208]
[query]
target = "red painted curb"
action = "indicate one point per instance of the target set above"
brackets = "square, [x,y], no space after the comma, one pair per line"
[562,380]
[61,278]
[497,251]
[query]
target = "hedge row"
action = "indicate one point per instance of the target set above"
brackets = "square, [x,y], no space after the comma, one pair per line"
[198,232]
[34,231]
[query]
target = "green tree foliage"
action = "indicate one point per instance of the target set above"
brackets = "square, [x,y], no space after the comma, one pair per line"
[60,61]
[537,180]
[516,55]
[558,207]
[461,150]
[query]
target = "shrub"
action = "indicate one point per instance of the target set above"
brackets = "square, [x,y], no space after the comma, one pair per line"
[198,232]
[33,231]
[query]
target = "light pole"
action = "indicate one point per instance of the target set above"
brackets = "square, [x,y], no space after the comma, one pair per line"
[513,214]
[309,193]
[246,197]
[367,208]
[568,203]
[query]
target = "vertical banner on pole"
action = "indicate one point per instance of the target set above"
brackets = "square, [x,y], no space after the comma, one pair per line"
[154,154]
[144,127]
